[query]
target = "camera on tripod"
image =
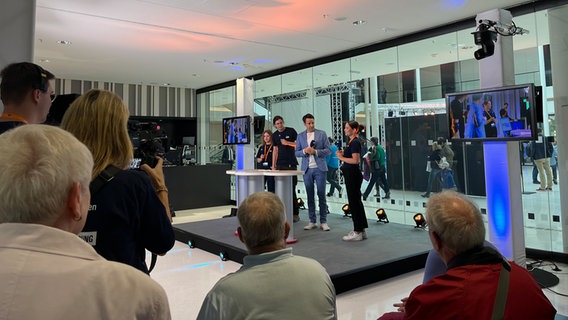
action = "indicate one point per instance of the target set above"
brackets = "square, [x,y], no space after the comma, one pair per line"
[149,141]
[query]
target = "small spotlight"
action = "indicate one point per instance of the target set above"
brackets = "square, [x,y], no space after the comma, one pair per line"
[345,209]
[382,215]
[301,204]
[223,256]
[419,220]
[190,244]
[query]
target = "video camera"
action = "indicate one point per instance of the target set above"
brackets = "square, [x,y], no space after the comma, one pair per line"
[149,141]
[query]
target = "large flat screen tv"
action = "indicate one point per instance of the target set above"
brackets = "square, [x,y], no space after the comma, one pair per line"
[503,113]
[236,130]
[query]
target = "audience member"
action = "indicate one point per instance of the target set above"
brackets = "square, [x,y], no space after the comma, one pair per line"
[554,160]
[262,288]
[264,158]
[353,179]
[27,92]
[479,283]
[378,170]
[47,272]
[332,166]
[312,146]
[129,214]
[284,141]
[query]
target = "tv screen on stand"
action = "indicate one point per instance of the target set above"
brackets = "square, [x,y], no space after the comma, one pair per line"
[504,113]
[236,130]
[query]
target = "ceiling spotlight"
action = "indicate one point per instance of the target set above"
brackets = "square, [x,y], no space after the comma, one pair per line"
[300,203]
[419,220]
[382,215]
[485,38]
[359,22]
[346,210]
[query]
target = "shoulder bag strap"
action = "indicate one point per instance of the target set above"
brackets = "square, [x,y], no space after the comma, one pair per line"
[502,291]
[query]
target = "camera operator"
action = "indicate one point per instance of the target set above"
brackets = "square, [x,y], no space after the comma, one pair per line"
[129,210]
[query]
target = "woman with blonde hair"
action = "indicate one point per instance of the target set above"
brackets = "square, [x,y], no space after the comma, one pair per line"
[129,210]
[264,158]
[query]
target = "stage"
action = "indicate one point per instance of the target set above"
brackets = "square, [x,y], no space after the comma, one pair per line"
[391,249]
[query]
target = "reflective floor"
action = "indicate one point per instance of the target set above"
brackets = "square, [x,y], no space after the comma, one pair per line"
[188,274]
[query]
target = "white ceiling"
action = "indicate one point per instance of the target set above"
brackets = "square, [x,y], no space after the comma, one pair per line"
[197,43]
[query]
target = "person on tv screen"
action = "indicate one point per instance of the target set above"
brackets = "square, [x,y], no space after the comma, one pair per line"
[490,119]
[475,125]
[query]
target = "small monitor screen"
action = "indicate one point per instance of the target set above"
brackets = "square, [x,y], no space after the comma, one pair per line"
[503,113]
[236,130]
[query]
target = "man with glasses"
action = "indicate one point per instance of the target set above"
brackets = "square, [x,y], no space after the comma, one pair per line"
[27,91]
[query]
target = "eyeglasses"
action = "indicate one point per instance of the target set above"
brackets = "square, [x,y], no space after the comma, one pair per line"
[53,97]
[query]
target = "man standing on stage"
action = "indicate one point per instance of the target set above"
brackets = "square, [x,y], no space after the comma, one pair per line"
[312,145]
[283,158]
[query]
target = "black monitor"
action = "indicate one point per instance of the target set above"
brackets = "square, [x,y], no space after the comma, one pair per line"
[502,113]
[236,130]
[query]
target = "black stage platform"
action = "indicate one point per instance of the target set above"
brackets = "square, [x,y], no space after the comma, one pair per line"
[391,249]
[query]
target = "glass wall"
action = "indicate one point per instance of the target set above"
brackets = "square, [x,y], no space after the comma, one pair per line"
[398,94]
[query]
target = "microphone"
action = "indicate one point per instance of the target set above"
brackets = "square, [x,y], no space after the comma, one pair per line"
[313,143]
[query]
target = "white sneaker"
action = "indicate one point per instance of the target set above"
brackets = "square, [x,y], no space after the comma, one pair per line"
[324,227]
[353,236]
[310,226]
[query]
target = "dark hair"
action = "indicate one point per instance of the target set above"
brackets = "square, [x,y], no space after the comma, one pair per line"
[442,141]
[375,140]
[276,118]
[353,124]
[19,78]
[307,116]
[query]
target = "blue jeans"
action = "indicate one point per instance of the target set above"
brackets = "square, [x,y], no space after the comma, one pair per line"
[319,177]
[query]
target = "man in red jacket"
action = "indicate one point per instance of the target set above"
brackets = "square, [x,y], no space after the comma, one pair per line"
[468,289]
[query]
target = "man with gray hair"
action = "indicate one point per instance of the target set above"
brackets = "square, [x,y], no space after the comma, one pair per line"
[270,274]
[479,283]
[47,271]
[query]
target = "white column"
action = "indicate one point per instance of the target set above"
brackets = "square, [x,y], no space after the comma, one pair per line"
[245,107]
[504,200]
[374,108]
[557,25]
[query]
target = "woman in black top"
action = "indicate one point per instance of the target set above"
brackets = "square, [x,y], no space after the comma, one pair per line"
[351,156]
[264,158]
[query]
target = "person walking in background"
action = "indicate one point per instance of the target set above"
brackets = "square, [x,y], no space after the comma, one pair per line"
[540,152]
[554,160]
[271,274]
[283,157]
[434,176]
[312,146]
[129,212]
[377,159]
[353,178]
[27,91]
[332,166]
[264,158]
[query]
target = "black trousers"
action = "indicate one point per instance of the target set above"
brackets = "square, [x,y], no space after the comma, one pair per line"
[353,179]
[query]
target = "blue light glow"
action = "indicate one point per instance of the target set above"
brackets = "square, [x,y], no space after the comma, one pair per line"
[498,195]
[454,3]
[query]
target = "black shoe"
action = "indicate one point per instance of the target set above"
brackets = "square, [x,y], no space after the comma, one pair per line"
[555,182]
[387,196]
[377,195]
[425,195]
[536,182]
[329,194]
[364,198]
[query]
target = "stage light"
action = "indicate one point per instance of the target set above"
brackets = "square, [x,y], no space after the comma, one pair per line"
[419,220]
[301,204]
[485,38]
[190,244]
[382,215]
[223,256]
[345,209]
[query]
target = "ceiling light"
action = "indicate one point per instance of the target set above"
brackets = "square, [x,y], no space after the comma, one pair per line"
[359,22]
[64,42]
